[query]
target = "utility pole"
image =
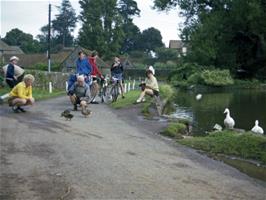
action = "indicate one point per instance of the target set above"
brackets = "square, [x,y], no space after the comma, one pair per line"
[48,40]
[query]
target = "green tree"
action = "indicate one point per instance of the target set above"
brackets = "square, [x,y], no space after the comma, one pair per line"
[64,23]
[128,9]
[25,41]
[226,34]
[102,26]
[166,54]
[149,40]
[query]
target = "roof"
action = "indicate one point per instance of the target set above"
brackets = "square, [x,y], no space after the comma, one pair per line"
[176,44]
[8,50]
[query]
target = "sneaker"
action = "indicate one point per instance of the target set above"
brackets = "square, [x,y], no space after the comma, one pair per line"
[143,100]
[138,100]
[15,109]
[21,109]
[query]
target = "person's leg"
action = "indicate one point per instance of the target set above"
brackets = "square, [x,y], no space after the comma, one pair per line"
[16,103]
[73,100]
[143,93]
[3,97]
[122,88]
[10,83]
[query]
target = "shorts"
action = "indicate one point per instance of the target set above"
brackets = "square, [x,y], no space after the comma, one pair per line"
[117,77]
[10,99]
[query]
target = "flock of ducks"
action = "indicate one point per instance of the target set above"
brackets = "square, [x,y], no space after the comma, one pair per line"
[68,116]
[229,122]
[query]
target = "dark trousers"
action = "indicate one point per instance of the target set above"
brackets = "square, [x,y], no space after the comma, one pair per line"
[12,82]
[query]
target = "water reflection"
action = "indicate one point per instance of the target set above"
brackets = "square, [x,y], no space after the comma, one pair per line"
[245,105]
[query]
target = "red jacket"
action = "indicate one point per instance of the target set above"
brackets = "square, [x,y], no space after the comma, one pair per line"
[95,70]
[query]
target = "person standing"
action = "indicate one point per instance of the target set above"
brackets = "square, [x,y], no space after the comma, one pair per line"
[13,73]
[117,73]
[21,94]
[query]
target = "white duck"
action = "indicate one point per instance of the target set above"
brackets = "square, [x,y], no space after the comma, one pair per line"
[229,122]
[257,129]
[198,97]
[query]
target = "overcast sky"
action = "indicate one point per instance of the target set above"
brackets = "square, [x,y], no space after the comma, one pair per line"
[30,15]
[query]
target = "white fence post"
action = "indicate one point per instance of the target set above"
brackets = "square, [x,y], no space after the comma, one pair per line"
[133,85]
[66,86]
[50,87]
[128,88]
[125,88]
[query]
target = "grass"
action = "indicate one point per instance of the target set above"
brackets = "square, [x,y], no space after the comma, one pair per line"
[130,98]
[245,145]
[38,94]
[175,130]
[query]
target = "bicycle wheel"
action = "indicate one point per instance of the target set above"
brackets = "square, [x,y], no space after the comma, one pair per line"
[115,92]
[107,95]
[94,88]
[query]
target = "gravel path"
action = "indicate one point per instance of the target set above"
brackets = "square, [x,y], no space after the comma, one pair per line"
[104,156]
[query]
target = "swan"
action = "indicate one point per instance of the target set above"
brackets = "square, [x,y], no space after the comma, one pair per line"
[257,129]
[229,122]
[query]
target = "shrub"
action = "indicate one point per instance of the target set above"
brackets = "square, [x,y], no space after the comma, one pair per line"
[166,91]
[217,77]
[175,130]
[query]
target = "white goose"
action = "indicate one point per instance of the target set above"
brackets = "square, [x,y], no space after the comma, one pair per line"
[257,129]
[229,122]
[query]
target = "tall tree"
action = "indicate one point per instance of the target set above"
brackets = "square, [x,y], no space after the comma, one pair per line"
[64,23]
[102,26]
[25,41]
[149,40]
[128,9]
[224,33]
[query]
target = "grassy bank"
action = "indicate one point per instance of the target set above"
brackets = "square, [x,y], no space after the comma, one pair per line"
[38,94]
[244,145]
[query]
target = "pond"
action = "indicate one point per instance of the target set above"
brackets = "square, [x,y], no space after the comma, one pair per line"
[245,105]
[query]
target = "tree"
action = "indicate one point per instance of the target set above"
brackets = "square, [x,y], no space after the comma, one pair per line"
[225,33]
[102,26]
[65,23]
[25,41]
[128,9]
[149,40]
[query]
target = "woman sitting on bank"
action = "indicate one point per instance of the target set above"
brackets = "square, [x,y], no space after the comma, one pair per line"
[150,86]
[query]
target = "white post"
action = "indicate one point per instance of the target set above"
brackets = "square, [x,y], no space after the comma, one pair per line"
[50,87]
[128,88]
[66,85]
[125,88]
[133,85]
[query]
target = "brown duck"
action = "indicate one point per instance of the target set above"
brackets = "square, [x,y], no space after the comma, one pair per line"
[86,112]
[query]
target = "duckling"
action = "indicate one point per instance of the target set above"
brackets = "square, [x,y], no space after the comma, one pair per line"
[68,116]
[86,112]
[229,122]
[65,112]
[257,129]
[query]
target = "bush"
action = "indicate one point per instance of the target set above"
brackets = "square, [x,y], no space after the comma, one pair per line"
[217,77]
[166,91]
[175,130]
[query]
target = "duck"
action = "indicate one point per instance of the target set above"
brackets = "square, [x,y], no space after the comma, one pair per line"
[257,129]
[65,112]
[229,122]
[86,112]
[68,116]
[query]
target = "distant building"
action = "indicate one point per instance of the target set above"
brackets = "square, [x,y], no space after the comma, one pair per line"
[8,51]
[179,46]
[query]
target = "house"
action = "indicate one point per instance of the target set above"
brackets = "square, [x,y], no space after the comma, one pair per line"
[7,51]
[178,45]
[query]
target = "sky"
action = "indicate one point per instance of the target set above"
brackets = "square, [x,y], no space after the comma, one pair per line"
[30,15]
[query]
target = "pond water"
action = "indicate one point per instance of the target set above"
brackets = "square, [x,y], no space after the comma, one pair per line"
[245,105]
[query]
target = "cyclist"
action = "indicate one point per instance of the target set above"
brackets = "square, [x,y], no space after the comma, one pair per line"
[95,72]
[117,73]
[150,87]
[83,67]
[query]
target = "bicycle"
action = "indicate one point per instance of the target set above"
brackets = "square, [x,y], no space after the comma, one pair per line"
[110,91]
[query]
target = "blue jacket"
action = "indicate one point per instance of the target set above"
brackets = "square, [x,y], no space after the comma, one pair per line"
[10,71]
[83,67]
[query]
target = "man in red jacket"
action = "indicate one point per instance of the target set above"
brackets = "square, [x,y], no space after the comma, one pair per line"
[95,72]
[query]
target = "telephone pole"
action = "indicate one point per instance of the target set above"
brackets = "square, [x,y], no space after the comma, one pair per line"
[49,40]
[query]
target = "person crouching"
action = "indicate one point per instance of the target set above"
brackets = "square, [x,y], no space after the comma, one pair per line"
[79,93]
[21,94]
[150,86]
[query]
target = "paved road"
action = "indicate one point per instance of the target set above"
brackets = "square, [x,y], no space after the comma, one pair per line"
[44,157]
